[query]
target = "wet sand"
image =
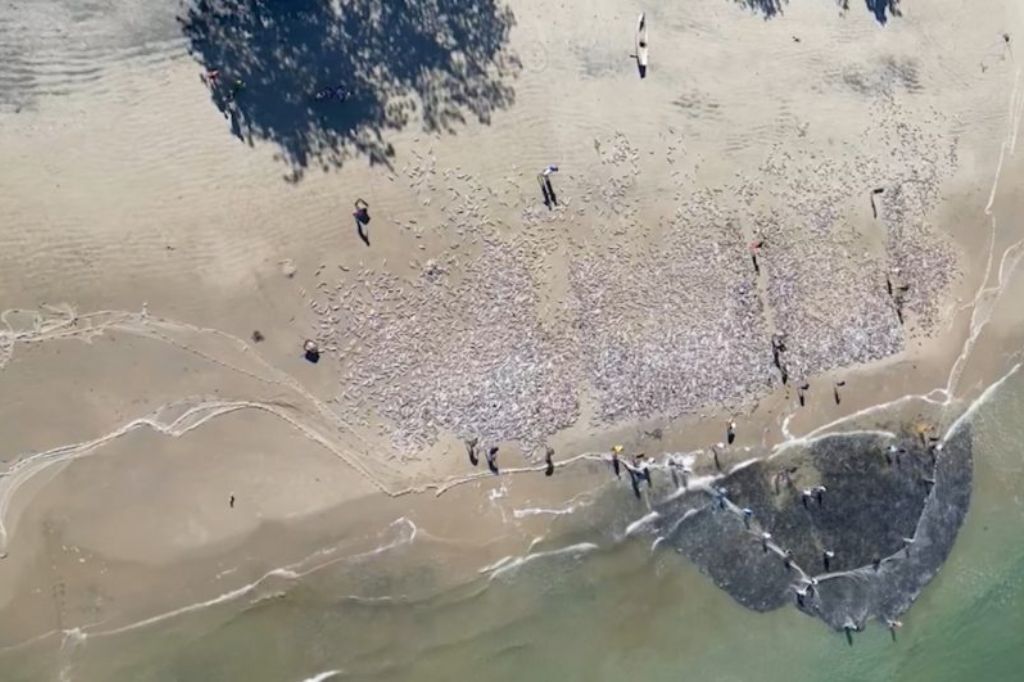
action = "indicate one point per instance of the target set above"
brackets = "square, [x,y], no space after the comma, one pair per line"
[628,314]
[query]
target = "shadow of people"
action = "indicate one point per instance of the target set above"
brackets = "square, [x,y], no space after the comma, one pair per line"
[550,200]
[363,231]
[551,191]
[882,9]
[325,81]
[769,8]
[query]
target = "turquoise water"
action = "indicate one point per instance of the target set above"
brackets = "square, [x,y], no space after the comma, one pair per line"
[608,611]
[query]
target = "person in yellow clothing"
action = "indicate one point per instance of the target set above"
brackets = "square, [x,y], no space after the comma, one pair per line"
[616,451]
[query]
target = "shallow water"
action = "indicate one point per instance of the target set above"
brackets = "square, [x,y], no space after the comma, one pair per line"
[584,607]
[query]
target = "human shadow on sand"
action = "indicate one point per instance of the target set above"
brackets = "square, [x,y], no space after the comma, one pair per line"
[882,9]
[384,63]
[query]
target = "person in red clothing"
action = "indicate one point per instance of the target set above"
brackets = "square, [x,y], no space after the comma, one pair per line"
[755,248]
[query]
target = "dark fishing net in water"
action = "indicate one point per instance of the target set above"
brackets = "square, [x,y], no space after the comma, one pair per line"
[886,511]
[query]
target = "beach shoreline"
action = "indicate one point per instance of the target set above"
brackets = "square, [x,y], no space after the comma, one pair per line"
[141,259]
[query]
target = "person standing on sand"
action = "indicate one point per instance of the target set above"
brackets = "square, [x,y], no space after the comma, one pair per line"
[362,212]
[311,351]
[778,348]
[471,444]
[549,460]
[231,502]
[826,558]
[730,432]
[778,343]
[544,178]
[755,248]
[492,459]
[835,390]
[362,216]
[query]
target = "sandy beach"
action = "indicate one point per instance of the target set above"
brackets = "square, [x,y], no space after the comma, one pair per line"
[176,219]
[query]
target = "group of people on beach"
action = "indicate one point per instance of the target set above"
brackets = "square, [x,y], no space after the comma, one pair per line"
[638,466]
[473,449]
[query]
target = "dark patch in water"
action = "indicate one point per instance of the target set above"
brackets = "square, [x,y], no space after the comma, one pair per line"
[874,498]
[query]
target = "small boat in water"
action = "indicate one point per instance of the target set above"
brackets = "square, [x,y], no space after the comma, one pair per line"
[641,45]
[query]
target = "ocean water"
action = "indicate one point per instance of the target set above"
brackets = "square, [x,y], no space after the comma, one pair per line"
[583,606]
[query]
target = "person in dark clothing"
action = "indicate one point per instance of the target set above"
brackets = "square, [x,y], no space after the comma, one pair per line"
[634,480]
[362,216]
[642,467]
[835,390]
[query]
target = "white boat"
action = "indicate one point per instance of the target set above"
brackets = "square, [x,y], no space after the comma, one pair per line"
[641,44]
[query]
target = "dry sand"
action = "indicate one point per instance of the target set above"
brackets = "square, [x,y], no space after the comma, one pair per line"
[146,244]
